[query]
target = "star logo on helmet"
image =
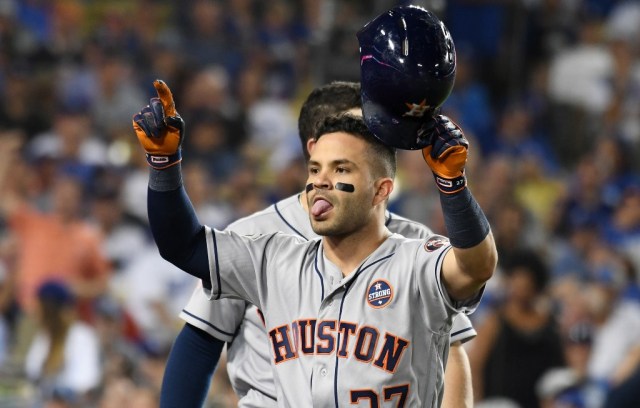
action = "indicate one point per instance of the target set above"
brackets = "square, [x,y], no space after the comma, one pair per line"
[417,110]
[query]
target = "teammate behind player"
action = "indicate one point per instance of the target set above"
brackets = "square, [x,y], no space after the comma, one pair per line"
[395,298]
[209,324]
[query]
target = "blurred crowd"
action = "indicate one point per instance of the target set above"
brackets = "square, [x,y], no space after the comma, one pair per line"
[547,91]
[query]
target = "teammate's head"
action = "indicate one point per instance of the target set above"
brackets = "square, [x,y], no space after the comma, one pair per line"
[331,99]
[347,152]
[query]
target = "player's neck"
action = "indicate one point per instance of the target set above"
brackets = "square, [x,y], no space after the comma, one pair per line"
[348,251]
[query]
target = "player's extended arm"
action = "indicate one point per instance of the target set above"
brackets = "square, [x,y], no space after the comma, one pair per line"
[180,240]
[474,257]
[175,227]
[458,389]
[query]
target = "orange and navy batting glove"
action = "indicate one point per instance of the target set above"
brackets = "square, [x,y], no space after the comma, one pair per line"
[446,153]
[160,129]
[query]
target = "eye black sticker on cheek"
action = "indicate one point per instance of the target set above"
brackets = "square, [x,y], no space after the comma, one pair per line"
[309,187]
[347,188]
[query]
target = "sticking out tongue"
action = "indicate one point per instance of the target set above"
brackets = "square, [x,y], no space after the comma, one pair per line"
[320,207]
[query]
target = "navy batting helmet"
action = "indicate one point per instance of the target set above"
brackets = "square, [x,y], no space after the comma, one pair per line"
[407,70]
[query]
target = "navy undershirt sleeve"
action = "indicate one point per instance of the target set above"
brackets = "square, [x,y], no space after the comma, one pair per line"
[190,367]
[466,223]
[177,232]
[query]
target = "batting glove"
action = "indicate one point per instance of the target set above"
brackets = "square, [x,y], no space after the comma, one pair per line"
[446,153]
[160,129]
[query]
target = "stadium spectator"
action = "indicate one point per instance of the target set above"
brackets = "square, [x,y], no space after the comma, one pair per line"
[616,319]
[69,145]
[64,356]
[520,340]
[154,304]
[569,386]
[57,243]
[124,237]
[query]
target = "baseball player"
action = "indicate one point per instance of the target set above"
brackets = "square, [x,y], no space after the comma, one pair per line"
[239,323]
[361,316]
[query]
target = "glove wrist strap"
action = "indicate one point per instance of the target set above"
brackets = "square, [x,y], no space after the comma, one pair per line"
[160,162]
[450,185]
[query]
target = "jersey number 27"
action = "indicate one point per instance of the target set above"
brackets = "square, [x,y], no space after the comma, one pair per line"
[396,391]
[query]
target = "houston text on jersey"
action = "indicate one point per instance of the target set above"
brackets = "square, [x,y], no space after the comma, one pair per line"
[364,343]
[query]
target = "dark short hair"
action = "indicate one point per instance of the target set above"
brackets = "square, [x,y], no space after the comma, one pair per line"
[383,157]
[529,261]
[326,100]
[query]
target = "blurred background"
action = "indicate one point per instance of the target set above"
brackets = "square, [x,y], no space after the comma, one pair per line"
[547,91]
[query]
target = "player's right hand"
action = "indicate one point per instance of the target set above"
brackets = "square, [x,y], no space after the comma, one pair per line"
[446,153]
[160,129]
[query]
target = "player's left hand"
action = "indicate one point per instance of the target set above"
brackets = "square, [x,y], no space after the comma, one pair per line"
[446,153]
[160,129]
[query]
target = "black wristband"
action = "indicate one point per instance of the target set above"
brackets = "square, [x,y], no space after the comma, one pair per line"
[168,179]
[465,221]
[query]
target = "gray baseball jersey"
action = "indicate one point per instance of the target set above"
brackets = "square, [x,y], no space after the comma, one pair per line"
[376,337]
[241,324]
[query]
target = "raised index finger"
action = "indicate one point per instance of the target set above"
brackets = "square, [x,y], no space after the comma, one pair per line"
[164,93]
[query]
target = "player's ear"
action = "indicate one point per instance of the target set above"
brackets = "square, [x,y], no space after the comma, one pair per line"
[384,188]
[311,144]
